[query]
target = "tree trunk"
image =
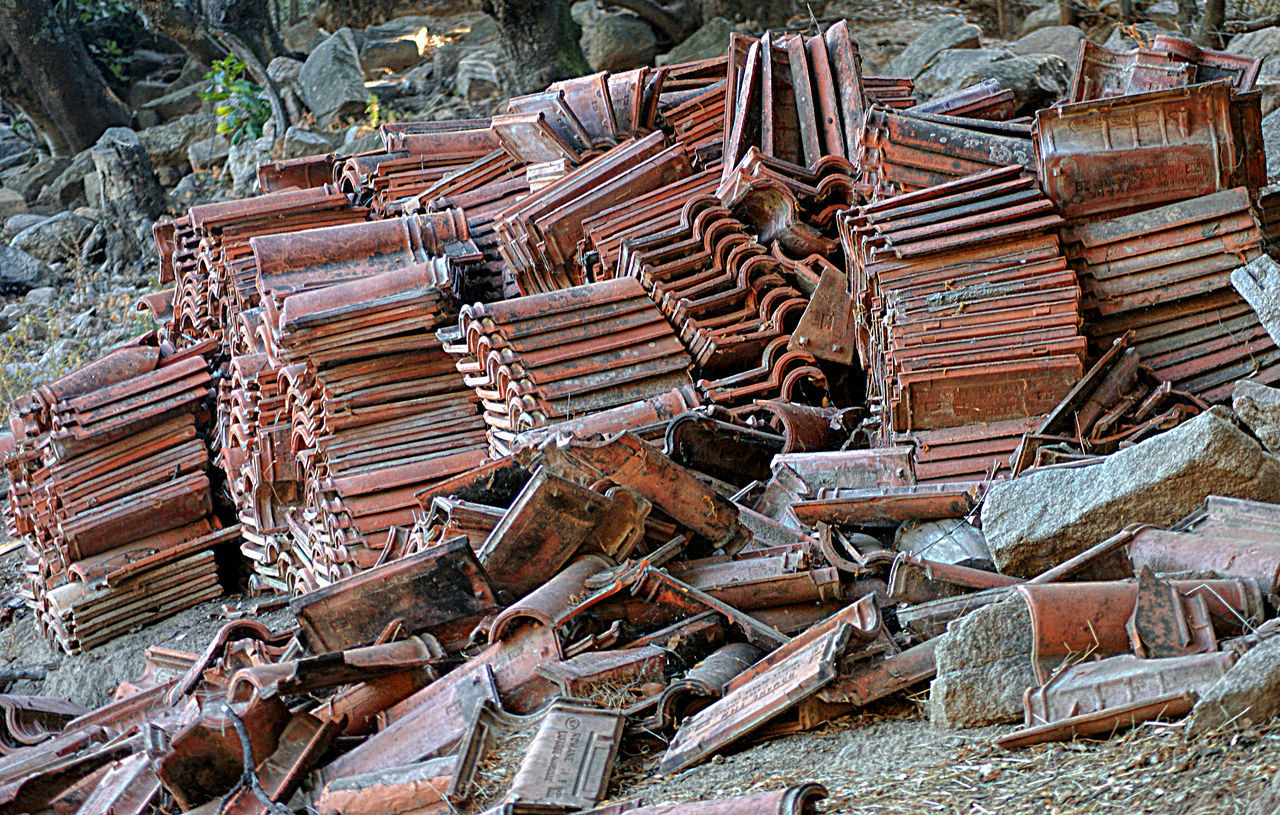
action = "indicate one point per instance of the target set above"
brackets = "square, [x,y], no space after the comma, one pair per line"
[540,40]
[250,20]
[182,25]
[56,66]
[19,93]
[1210,23]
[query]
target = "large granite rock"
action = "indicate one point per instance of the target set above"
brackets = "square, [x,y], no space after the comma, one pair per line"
[949,32]
[618,42]
[32,180]
[1037,80]
[167,144]
[332,81]
[708,41]
[388,56]
[1258,406]
[984,667]
[1042,17]
[20,273]
[1042,518]
[1059,40]
[55,239]
[1258,282]
[1248,692]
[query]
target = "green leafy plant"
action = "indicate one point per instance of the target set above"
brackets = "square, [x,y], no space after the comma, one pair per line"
[242,106]
[110,29]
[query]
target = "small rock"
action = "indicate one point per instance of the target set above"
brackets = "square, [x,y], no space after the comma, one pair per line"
[299,142]
[55,239]
[618,42]
[242,164]
[949,32]
[303,36]
[11,203]
[1258,406]
[1042,17]
[284,71]
[1121,39]
[1271,142]
[1250,689]
[167,144]
[478,75]
[65,190]
[32,180]
[143,91]
[208,153]
[332,81]
[388,56]
[43,296]
[16,223]
[93,189]
[984,667]
[20,273]
[181,102]
[705,43]
[1042,518]
[1060,40]
[88,213]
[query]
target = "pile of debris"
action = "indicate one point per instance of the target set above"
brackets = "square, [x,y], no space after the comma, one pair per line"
[674,408]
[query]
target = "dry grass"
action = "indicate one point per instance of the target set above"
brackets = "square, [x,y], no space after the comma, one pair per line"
[1152,768]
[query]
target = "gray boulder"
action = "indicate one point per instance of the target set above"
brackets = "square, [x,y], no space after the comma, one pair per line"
[167,145]
[20,273]
[479,75]
[984,667]
[1036,80]
[332,81]
[11,203]
[303,36]
[708,41]
[1258,406]
[181,102]
[949,32]
[618,42]
[1121,41]
[388,56]
[31,181]
[1042,518]
[1060,40]
[242,164]
[1271,142]
[1258,282]
[284,71]
[54,239]
[1042,17]
[483,35]
[64,191]
[208,153]
[1264,43]
[299,142]
[16,223]
[1248,692]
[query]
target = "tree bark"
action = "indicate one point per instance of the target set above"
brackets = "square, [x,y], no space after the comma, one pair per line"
[1205,34]
[540,40]
[19,93]
[182,25]
[250,20]
[76,100]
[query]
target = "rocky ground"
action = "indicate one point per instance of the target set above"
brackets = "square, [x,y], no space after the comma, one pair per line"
[65,296]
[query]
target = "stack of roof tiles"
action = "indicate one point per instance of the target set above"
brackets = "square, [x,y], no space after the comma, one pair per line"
[545,358]
[968,313]
[111,487]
